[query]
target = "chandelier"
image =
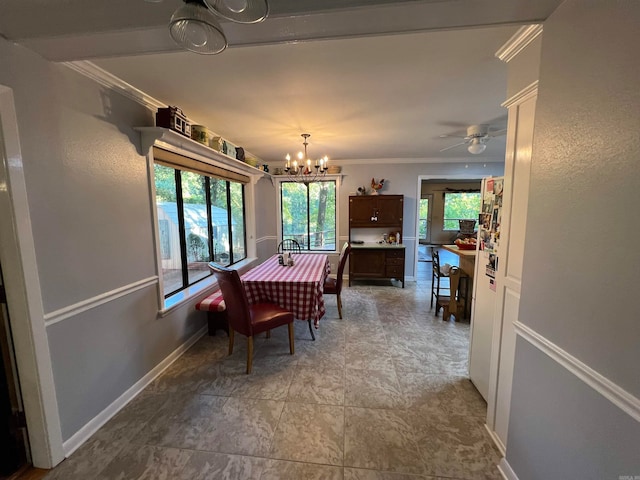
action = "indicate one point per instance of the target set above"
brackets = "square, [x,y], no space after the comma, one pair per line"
[302,170]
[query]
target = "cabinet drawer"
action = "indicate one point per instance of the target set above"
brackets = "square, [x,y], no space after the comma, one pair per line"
[395,271]
[395,254]
[394,261]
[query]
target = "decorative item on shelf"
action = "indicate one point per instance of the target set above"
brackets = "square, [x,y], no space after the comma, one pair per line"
[361,190]
[301,170]
[251,161]
[200,134]
[228,149]
[278,171]
[173,119]
[375,186]
[334,169]
[240,153]
[216,143]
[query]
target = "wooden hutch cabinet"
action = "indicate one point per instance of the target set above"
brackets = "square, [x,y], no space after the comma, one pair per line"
[376,214]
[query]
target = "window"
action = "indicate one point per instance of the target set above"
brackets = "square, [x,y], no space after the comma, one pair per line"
[460,206]
[308,214]
[200,219]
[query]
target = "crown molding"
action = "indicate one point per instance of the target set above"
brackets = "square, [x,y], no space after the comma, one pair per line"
[106,79]
[519,41]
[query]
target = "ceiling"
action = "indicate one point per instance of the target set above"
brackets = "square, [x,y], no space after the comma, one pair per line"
[368,79]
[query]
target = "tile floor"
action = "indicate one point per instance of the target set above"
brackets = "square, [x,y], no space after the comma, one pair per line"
[380,395]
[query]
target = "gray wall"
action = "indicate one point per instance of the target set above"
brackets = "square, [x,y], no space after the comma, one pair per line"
[581,257]
[92,225]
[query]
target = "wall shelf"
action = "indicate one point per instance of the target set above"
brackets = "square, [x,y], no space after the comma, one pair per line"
[177,143]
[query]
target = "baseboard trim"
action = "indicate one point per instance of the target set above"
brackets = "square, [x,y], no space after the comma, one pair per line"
[77,308]
[82,435]
[496,440]
[612,392]
[506,470]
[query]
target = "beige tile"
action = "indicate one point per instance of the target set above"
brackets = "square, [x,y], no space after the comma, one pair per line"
[373,389]
[146,463]
[360,474]
[282,470]
[317,385]
[242,427]
[220,466]
[368,355]
[310,433]
[441,394]
[381,440]
[182,422]
[457,446]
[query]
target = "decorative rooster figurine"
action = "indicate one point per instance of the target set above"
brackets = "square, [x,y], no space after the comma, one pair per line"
[375,186]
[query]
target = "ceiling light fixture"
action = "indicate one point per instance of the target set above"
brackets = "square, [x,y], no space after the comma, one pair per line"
[240,11]
[302,170]
[477,146]
[194,26]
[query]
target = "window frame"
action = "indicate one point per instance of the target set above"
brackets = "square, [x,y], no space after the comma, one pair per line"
[337,178]
[444,209]
[181,225]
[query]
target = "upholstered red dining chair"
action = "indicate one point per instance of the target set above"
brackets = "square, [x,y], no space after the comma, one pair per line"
[333,286]
[248,320]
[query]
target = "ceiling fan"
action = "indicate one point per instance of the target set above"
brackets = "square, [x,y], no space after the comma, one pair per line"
[476,138]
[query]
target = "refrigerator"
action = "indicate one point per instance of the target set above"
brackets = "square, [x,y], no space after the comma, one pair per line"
[484,283]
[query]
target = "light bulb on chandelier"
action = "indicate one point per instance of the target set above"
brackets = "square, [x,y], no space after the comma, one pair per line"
[302,170]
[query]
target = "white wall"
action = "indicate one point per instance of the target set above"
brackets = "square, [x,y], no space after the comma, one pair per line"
[578,311]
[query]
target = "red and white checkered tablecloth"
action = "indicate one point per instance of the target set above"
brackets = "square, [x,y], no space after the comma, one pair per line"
[298,288]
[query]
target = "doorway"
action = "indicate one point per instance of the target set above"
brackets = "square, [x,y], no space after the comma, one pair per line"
[13,437]
[424,219]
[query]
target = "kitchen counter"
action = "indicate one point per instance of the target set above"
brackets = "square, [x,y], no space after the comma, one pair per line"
[467,265]
[376,245]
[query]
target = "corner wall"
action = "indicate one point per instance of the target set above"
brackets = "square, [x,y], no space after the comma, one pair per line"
[575,406]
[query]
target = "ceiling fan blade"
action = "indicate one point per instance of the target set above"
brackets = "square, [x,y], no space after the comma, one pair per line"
[498,133]
[453,146]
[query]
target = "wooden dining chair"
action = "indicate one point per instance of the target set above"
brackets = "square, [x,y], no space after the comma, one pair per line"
[333,286]
[440,281]
[451,304]
[249,320]
[289,245]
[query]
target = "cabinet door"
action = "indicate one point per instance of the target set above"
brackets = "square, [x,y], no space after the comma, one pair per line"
[389,209]
[367,263]
[362,210]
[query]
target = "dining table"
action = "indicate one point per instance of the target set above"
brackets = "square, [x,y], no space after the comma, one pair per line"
[298,288]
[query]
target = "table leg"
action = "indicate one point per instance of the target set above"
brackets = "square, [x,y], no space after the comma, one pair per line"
[313,337]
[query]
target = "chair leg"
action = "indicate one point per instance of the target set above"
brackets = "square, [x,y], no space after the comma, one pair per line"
[249,354]
[292,348]
[339,307]
[313,337]
[231,336]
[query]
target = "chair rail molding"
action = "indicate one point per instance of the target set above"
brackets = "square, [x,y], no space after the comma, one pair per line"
[605,387]
[61,314]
